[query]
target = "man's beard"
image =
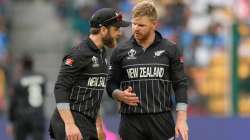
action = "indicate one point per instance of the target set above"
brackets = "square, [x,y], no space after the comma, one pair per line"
[141,36]
[109,41]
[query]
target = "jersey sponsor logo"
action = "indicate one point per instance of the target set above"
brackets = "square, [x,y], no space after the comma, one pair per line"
[69,61]
[131,54]
[95,62]
[159,53]
[97,82]
[145,72]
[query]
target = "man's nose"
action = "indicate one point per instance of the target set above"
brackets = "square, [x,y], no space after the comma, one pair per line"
[119,33]
[136,28]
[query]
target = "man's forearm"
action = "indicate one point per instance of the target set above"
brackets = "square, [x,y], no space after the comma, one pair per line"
[100,128]
[99,122]
[71,129]
[181,126]
[66,116]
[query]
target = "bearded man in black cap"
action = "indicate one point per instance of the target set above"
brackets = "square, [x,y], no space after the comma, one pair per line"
[82,79]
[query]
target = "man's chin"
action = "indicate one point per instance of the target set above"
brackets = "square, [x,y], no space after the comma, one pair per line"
[138,37]
[111,45]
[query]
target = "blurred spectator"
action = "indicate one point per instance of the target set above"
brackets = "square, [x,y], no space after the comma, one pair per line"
[197,102]
[26,114]
[5,62]
[88,3]
[214,37]
[126,6]
[174,19]
[177,14]
[3,39]
[61,8]
[3,8]
[2,90]
[80,21]
[64,8]
[109,3]
[189,51]
[202,54]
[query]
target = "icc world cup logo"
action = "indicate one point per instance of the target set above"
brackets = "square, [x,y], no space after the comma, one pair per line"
[95,61]
[131,54]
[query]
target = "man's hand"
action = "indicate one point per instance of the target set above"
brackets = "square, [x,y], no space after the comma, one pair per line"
[71,129]
[10,130]
[127,96]
[72,132]
[100,128]
[181,127]
[101,134]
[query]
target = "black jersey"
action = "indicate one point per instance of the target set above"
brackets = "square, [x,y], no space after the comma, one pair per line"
[150,72]
[82,78]
[28,96]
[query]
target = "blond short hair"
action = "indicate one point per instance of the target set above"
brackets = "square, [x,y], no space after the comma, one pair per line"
[145,8]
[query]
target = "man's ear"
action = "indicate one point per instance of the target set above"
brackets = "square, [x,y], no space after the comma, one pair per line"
[155,23]
[103,29]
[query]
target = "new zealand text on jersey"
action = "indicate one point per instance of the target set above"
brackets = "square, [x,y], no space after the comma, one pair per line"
[96,82]
[145,72]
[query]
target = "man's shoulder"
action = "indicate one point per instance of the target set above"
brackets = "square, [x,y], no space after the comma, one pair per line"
[80,49]
[171,47]
[168,43]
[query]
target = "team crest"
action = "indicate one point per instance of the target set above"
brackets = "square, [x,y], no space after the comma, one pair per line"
[159,53]
[95,61]
[131,54]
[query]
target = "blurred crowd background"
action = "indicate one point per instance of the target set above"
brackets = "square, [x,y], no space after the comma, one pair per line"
[213,34]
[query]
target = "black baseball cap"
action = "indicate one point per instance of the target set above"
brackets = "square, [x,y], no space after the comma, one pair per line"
[107,17]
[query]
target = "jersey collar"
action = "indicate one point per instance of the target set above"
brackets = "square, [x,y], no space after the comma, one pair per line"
[92,45]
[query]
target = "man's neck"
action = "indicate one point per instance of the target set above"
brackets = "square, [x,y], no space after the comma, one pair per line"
[147,42]
[97,40]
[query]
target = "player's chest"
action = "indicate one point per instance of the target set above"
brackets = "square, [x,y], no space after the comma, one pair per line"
[139,56]
[96,64]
